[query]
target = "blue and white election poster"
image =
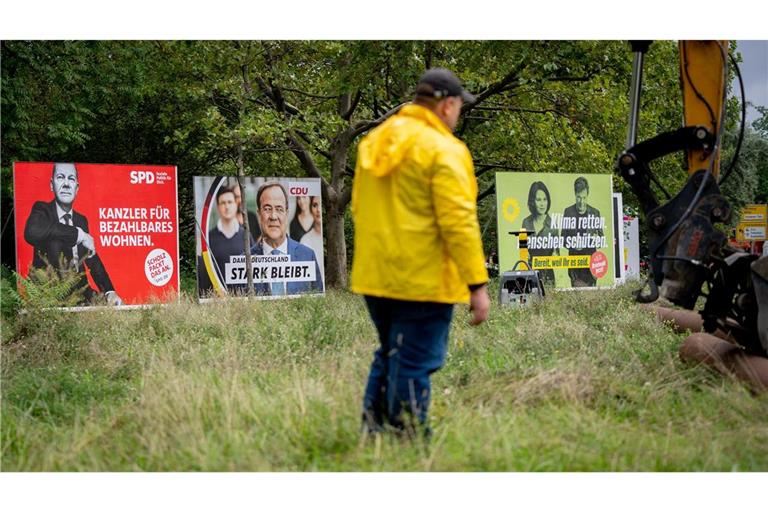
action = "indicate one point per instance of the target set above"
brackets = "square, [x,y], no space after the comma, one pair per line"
[277,222]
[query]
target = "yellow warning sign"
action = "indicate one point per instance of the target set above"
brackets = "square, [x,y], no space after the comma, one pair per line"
[754,214]
[753,224]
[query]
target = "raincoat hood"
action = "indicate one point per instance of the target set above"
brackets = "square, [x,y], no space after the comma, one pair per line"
[386,146]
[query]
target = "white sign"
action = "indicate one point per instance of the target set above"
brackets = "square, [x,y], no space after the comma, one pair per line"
[754,232]
[631,248]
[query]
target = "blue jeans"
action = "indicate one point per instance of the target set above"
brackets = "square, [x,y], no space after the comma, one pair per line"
[413,339]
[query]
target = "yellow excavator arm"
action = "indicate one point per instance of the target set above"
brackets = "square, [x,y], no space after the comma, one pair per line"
[702,79]
[688,252]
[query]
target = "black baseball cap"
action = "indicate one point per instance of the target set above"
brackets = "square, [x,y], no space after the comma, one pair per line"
[440,83]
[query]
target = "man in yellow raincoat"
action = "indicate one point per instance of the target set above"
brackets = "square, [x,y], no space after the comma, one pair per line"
[417,247]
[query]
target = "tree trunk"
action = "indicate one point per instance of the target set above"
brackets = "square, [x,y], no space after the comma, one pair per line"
[336,245]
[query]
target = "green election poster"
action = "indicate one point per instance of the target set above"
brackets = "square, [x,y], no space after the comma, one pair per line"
[568,220]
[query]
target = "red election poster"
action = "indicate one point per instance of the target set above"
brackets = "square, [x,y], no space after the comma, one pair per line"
[114,225]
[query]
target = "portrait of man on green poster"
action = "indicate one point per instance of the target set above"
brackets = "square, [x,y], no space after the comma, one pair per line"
[568,222]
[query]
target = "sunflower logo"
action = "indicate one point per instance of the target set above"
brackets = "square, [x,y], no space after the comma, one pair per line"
[510,208]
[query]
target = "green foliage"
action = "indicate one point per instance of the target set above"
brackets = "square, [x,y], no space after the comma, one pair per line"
[584,381]
[55,395]
[48,288]
[35,300]
[547,106]
[748,183]
[757,154]
[10,302]
[581,382]
[550,106]
[761,124]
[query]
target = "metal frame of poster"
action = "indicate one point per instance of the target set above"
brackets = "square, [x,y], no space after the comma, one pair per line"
[618,238]
[112,227]
[569,218]
[285,242]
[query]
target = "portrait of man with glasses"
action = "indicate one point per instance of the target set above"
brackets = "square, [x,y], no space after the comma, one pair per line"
[273,215]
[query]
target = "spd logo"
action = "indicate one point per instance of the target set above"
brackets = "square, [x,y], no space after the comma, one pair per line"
[147,177]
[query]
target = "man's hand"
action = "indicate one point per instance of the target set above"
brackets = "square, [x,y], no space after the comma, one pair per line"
[88,244]
[113,299]
[479,304]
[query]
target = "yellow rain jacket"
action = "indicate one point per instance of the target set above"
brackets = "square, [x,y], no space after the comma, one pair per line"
[414,202]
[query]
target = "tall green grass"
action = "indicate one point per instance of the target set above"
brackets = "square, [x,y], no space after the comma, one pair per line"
[581,382]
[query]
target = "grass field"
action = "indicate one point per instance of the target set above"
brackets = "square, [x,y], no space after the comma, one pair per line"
[582,382]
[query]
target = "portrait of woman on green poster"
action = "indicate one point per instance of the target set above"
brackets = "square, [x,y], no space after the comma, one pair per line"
[539,224]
